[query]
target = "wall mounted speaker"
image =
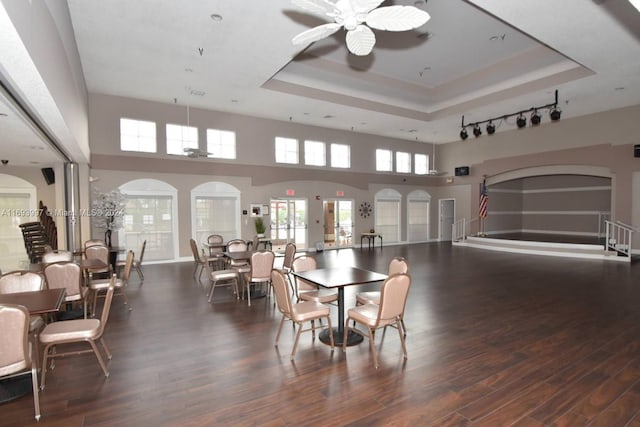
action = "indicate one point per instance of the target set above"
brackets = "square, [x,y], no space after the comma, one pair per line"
[636,150]
[49,175]
[462,171]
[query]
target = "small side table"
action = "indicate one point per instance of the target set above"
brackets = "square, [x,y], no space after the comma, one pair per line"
[371,239]
[265,242]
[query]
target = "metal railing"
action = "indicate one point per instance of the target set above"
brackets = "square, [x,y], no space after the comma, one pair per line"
[463,228]
[459,230]
[618,238]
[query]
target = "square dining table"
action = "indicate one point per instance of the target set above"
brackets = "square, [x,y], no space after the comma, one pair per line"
[44,301]
[340,277]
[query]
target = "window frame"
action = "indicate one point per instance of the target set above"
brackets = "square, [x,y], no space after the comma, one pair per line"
[335,163]
[403,162]
[139,138]
[283,150]
[221,149]
[310,154]
[184,143]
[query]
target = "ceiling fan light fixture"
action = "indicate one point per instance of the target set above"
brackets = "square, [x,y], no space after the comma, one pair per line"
[463,134]
[521,121]
[535,118]
[491,128]
[358,18]
[477,131]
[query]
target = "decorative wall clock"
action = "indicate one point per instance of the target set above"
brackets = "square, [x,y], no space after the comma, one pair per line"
[365,209]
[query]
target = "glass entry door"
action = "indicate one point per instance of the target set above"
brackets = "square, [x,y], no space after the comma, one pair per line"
[338,223]
[288,223]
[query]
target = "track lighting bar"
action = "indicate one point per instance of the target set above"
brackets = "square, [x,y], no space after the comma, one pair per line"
[554,114]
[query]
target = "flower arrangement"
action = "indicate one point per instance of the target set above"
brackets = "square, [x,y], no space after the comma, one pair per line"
[108,211]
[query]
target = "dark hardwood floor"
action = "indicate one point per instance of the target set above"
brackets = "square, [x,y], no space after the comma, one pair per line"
[493,339]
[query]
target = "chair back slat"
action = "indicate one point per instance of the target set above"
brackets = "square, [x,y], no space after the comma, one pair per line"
[283,298]
[107,305]
[289,255]
[21,281]
[14,347]
[66,275]
[144,246]
[398,265]
[237,245]
[56,256]
[393,298]
[261,265]
[300,264]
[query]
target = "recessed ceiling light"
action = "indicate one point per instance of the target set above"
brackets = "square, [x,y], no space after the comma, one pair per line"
[363,123]
[234,101]
[619,88]
[197,92]
[328,116]
[495,38]
[216,17]
[35,147]
[188,70]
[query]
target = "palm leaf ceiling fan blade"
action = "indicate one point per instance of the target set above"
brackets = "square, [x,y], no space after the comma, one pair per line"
[320,7]
[361,40]
[365,6]
[353,15]
[397,18]
[315,34]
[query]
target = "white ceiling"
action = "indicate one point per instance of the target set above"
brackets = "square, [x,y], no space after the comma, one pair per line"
[477,58]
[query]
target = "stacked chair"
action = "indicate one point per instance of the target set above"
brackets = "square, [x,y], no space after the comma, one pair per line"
[39,236]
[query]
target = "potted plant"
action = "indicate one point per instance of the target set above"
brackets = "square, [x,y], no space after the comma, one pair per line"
[260,227]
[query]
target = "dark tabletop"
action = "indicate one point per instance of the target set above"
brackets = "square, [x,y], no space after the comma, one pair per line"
[339,277]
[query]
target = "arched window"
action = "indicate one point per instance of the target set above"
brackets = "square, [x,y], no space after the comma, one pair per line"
[215,209]
[17,205]
[387,214]
[418,216]
[151,214]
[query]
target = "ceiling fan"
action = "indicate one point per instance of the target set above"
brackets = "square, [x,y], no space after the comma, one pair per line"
[196,152]
[358,17]
[434,171]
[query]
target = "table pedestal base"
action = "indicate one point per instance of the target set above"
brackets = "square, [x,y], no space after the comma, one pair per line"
[352,337]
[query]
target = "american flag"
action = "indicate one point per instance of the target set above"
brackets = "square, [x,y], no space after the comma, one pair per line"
[484,199]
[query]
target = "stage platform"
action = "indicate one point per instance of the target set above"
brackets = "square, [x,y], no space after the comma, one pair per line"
[549,247]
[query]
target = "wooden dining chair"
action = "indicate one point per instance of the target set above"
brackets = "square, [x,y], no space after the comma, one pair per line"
[260,272]
[25,281]
[396,265]
[299,313]
[99,252]
[287,262]
[393,298]
[306,291]
[100,286]
[67,275]
[16,351]
[58,334]
[201,262]
[137,263]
